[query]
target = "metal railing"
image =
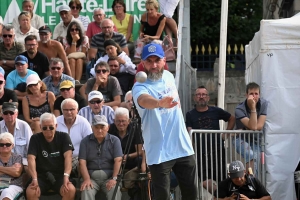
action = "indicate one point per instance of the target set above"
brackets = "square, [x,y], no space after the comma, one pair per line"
[216,149]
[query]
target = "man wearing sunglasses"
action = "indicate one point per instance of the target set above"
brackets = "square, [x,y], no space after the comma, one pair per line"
[96,107]
[50,161]
[100,158]
[9,49]
[67,90]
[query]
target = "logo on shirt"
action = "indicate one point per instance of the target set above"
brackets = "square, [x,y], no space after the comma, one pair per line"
[45,154]
[251,188]
[70,145]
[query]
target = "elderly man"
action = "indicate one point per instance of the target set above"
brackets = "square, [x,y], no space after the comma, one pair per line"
[67,90]
[36,21]
[6,95]
[16,80]
[37,61]
[108,85]
[60,30]
[57,77]
[239,185]
[100,158]
[52,48]
[96,107]
[18,128]
[97,43]
[9,49]
[73,124]
[50,161]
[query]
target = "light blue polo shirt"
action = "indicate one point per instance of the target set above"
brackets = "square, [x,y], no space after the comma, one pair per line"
[13,79]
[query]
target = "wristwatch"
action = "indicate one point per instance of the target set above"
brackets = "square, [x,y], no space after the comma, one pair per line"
[4,61]
[115,178]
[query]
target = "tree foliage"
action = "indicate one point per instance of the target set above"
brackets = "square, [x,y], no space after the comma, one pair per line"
[243,20]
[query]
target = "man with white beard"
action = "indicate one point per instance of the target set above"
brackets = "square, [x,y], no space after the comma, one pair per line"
[52,48]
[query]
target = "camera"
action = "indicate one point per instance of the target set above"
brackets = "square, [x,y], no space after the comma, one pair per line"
[238,196]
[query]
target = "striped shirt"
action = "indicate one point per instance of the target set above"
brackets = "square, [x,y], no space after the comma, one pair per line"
[107,111]
[85,20]
[55,88]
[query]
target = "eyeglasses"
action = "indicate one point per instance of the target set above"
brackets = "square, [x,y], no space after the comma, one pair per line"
[99,149]
[7,35]
[121,121]
[69,110]
[201,95]
[98,15]
[75,7]
[65,89]
[45,128]
[8,113]
[74,29]
[31,45]
[106,27]
[95,102]
[101,70]
[5,144]
[31,85]
[55,68]
[1,82]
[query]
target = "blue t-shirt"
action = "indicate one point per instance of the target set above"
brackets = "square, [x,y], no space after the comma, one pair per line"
[13,79]
[164,132]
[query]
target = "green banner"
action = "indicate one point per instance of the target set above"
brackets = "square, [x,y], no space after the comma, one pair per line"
[48,9]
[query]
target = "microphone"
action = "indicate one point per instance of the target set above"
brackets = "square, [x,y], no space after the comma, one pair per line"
[141,77]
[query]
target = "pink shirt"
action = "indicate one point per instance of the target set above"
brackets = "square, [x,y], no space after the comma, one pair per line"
[93,28]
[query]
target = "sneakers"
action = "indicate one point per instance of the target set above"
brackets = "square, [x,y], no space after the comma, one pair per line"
[77,82]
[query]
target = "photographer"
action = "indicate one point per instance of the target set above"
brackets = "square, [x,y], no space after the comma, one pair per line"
[240,186]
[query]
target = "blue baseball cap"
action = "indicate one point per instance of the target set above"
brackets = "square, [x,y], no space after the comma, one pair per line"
[152,50]
[21,59]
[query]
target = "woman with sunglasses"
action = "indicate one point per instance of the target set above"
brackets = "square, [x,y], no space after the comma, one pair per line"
[74,42]
[25,27]
[76,7]
[37,102]
[113,50]
[11,175]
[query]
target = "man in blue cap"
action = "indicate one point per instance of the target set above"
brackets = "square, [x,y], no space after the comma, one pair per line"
[16,79]
[166,140]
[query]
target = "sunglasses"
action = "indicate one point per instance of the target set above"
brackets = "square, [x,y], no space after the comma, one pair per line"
[5,144]
[75,7]
[7,35]
[101,70]
[55,68]
[31,85]
[96,102]
[74,29]
[1,82]
[51,128]
[65,89]
[8,113]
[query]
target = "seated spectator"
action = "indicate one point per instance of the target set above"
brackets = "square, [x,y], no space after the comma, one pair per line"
[51,168]
[36,21]
[96,107]
[67,90]
[108,85]
[76,7]
[56,77]
[152,26]
[99,166]
[37,101]
[124,23]
[122,128]
[18,128]
[25,28]
[75,125]
[74,43]
[239,185]
[6,95]
[52,48]
[1,27]
[11,168]
[16,80]
[9,49]
[94,27]
[113,50]
[128,103]
[37,61]
[60,30]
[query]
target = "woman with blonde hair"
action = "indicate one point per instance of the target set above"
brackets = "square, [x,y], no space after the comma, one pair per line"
[25,28]
[37,102]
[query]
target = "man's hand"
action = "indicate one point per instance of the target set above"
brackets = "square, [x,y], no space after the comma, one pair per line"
[243,197]
[86,184]
[100,80]
[251,102]
[167,102]
[120,60]
[65,187]
[110,184]
[35,186]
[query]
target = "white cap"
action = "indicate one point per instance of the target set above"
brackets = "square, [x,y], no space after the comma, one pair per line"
[32,79]
[64,8]
[95,95]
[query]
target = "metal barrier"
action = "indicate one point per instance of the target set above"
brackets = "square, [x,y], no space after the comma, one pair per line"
[215,150]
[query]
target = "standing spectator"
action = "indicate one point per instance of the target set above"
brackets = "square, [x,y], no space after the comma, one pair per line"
[96,107]
[52,48]
[76,7]
[50,155]
[37,61]
[99,166]
[124,23]
[36,21]
[54,80]
[74,42]
[9,49]
[25,27]
[37,101]
[67,90]
[6,95]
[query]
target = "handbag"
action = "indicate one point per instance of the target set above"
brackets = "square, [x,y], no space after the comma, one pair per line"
[168,48]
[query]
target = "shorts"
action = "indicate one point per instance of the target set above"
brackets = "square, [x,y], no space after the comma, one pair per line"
[11,192]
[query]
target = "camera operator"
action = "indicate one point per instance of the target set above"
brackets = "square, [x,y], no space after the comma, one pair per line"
[240,186]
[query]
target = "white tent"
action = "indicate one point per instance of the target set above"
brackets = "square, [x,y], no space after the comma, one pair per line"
[273,61]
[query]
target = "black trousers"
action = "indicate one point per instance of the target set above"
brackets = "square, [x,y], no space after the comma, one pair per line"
[185,171]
